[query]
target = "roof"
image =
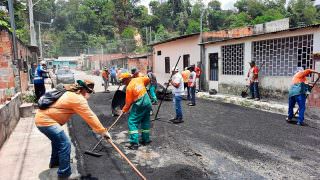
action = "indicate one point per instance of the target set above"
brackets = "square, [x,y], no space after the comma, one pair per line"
[175,38]
[260,34]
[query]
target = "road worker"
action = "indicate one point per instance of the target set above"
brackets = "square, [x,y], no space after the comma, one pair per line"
[297,93]
[105,77]
[185,75]
[38,81]
[49,121]
[138,100]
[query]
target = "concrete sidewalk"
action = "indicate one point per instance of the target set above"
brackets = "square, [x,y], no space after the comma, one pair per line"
[271,106]
[26,154]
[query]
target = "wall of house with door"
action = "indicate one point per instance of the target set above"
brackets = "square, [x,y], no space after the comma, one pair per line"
[277,54]
[166,55]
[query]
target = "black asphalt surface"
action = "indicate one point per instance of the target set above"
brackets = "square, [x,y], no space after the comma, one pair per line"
[216,141]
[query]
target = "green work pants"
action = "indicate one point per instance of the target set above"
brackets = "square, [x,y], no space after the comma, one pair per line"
[140,117]
[153,93]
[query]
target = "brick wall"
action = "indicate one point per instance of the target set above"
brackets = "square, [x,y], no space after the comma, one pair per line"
[8,71]
[140,63]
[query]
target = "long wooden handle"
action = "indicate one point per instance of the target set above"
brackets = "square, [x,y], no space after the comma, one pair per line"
[165,91]
[125,157]
[115,121]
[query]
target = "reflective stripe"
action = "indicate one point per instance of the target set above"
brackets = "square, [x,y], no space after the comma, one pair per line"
[134,132]
[36,78]
[145,130]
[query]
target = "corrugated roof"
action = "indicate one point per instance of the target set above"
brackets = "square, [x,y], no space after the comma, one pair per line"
[175,38]
[260,34]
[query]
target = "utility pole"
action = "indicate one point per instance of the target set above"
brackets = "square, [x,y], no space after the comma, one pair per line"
[33,40]
[147,35]
[150,35]
[202,78]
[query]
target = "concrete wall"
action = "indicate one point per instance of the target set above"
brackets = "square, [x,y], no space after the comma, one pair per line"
[173,50]
[233,84]
[9,117]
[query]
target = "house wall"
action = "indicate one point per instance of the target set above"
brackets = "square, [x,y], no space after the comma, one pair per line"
[9,73]
[142,64]
[233,84]
[173,50]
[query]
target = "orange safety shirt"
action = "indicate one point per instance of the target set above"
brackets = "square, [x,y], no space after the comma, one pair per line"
[68,104]
[105,74]
[135,90]
[301,77]
[185,75]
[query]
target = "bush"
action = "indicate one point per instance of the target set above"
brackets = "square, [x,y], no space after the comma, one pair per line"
[29,97]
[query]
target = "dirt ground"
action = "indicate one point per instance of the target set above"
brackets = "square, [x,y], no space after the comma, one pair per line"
[216,141]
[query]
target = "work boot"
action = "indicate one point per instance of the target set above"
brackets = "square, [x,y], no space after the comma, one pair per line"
[54,165]
[177,121]
[301,124]
[190,104]
[250,98]
[133,146]
[71,177]
[143,143]
[288,119]
[257,99]
[173,119]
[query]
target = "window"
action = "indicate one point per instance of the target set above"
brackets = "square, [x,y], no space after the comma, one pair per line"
[167,64]
[284,54]
[158,53]
[232,59]
[186,61]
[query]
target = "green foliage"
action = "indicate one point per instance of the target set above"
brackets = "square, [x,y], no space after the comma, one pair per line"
[29,97]
[193,27]
[302,12]
[269,15]
[114,25]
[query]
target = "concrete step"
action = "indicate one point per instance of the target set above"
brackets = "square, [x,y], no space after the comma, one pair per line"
[26,110]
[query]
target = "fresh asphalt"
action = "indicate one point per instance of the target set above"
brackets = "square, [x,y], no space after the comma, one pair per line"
[216,141]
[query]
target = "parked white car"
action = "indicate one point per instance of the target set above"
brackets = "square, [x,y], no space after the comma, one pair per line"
[65,76]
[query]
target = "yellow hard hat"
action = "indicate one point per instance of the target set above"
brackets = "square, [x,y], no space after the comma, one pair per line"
[123,76]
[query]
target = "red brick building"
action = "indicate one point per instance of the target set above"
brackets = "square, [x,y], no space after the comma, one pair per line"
[126,61]
[14,73]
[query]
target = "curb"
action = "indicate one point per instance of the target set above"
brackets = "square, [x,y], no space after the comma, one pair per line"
[274,107]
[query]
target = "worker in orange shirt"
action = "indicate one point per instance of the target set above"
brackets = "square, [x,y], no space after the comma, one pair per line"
[105,77]
[297,93]
[50,120]
[138,100]
[185,75]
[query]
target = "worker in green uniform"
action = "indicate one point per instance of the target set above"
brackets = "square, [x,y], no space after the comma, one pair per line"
[138,100]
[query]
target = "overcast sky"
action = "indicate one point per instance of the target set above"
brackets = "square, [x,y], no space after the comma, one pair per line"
[226,4]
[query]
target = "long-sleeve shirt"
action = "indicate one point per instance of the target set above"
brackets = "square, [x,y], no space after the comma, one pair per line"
[301,76]
[68,104]
[299,82]
[135,90]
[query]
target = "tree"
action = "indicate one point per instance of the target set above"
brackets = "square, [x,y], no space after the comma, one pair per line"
[302,12]
[269,15]
[193,27]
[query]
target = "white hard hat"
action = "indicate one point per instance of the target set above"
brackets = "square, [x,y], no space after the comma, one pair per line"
[42,63]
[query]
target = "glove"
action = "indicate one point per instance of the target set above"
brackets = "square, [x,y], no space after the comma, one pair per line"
[106,135]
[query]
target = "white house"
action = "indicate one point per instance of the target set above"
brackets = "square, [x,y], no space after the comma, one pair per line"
[280,52]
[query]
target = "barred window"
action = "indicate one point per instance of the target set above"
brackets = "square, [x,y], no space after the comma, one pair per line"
[282,55]
[232,59]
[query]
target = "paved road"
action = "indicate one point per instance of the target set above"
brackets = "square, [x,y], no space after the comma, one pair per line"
[217,141]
